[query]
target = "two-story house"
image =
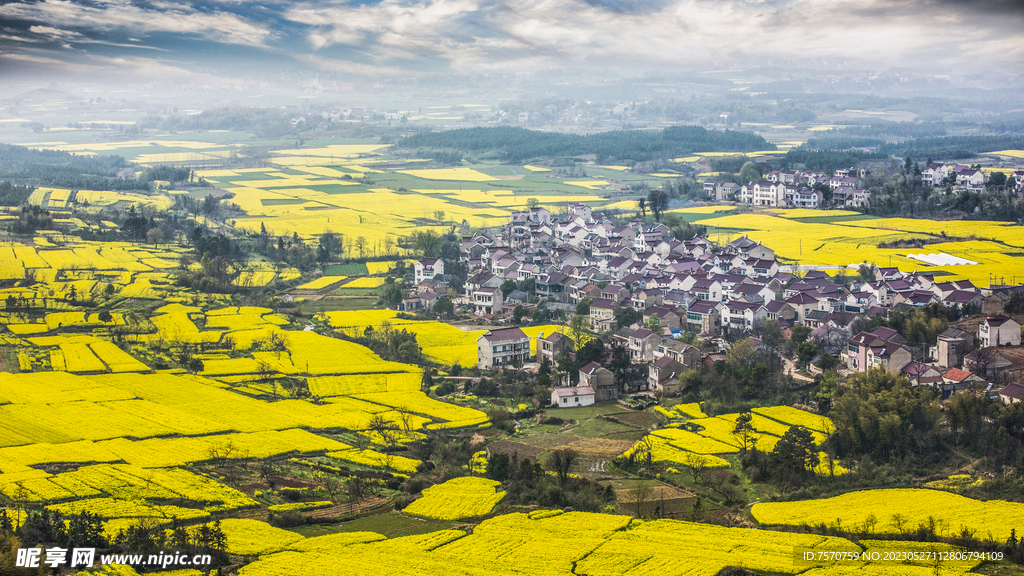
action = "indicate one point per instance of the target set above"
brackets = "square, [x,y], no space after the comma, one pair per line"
[858,347]
[999,330]
[602,315]
[950,347]
[487,300]
[427,268]
[663,375]
[704,317]
[642,344]
[552,347]
[601,379]
[502,347]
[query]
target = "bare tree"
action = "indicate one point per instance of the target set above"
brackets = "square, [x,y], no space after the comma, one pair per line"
[356,488]
[267,468]
[219,454]
[980,360]
[386,429]
[644,451]
[640,495]
[562,461]
[405,416]
[697,465]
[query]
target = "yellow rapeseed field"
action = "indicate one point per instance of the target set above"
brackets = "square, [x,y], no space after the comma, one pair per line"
[458,498]
[899,510]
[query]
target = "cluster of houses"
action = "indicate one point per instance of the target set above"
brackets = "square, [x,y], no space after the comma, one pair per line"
[794,188]
[693,286]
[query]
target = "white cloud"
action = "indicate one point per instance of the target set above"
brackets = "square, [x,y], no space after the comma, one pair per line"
[477,34]
[625,36]
[110,15]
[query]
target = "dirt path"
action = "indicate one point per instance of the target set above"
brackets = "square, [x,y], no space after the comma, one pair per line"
[791,370]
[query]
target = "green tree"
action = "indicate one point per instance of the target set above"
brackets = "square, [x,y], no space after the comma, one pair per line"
[750,173]
[744,430]
[561,462]
[653,324]
[578,331]
[532,203]
[518,313]
[627,316]
[866,272]
[621,365]
[392,294]
[332,244]
[799,334]
[795,455]
[828,385]
[583,307]
[155,237]
[426,242]
[882,415]
[498,467]
[806,352]
[444,307]
[657,201]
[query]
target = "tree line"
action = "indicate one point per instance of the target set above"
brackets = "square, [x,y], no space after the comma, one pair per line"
[65,170]
[515,145]
[51,528]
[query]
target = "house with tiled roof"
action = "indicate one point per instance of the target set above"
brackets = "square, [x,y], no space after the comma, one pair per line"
[502,347]
[642,344]
[487,300]
[573,396]
[602,315]
[601,379]
[921,374]
[956,380]
[999,330]
[934,174]
[804,302]
[648,297]
[553,346]
[663,375]
[704,317]
[889,355]
[857,355]
[970,177]
[1012,393]
[950,347]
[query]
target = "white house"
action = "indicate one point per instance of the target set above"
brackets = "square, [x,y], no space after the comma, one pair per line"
[572,396]
[970,177]
[999,330]
[934,174]
[427,268]
[501,347]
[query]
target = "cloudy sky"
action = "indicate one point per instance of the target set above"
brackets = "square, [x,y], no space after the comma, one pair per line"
[167,38]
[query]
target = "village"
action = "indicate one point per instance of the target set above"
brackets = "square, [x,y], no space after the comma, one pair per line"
[680,305]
